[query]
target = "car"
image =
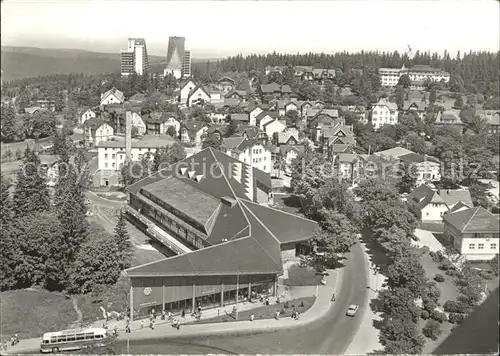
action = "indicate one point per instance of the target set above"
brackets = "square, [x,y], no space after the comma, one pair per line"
[352,310]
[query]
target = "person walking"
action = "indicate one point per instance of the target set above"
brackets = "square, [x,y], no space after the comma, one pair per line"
[183,313]
[163,315]
[252,317]
[142,324]
[333,297]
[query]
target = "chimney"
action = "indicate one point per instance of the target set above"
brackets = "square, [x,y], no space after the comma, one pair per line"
[128,131]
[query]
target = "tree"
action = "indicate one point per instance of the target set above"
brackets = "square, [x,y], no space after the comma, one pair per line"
[395,242]
[407,272]
[432,329]
[31,194]
[96,264]
[275,138]
[171,131]
[292,117]
[432,97]
[212,141]
[167,156]
[404,81]
[8,124]
[400,96]
[494,264]
[408,181]
[231,129]
[124,245]
[471,100]
[459,102]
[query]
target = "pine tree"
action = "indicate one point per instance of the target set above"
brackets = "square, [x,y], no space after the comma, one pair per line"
[124,245]
[31,194]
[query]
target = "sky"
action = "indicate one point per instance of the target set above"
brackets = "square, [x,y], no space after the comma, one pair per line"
[220,28]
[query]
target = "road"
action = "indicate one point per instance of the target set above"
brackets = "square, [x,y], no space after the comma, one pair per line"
[331,334]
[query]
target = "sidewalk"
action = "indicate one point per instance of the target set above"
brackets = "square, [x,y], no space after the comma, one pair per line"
[163,329]
[366,339]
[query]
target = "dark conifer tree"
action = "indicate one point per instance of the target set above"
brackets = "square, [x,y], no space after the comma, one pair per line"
[124,245]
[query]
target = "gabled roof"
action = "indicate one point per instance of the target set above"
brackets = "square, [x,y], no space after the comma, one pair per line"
[94,123]
[231,102]
[473,220]
[384,102]
[347,157]
[415,105]
[417,158]
[448,117]
[422,196]
[271,114]
[452,197]
[113,91]
[284,137]
[84,110]
[193,126]
[226,79]
[284,149]
[232,142]
[459,207]
[186,82]
[196,88]
[159,117]
[394,152]
[240,117]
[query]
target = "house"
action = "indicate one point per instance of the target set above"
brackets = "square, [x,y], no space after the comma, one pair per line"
[111,156]
[97,130]
[216,95]
[285,106]
[322,74]
[192,132]
[347,165]
[275,126]
[418,107]
[185,89]
[393,153]
[112,96]
[275,91]
[85,114]
[226,241]
[33,109]
[384,113]
[239,95]
[226,84]
[450,119]
[118,122]
[473,232]
[217,117]
[427,204]
[314,113]
[337,139]
[289,153]
[240,118]
[290,137]
[493,124]
[253,132]
[456,198]
[417,85]
[250,151]
[217,131]
[253,112]
[198,96]
[427,168]
[157,123]
[271,69]
[304,72]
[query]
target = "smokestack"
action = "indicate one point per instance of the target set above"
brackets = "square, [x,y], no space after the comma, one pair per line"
[128,131]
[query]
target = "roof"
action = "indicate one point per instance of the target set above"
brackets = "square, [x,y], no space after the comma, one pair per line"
[113,91]
[416,158]
[283,137]
[193,125]
[452,197]
[448,117]
[148,141]
[473,220]
[231,102]
[477,335]
[195,89]
[240,117]
[394,152]
[284,149]
[245,237]
[415,105]
[388,104]
[226,79]
[422,196]
[231,142]
[94,123]
[159,117]
[346,157]
[48,160]
[494,119]
[272,114]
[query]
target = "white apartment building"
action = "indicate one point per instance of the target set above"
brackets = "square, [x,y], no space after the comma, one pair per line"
[389,77]
[134,59]
[249,151]
[384,113]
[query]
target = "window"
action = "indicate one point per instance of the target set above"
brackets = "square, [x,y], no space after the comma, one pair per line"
[493,246]
[106,165]
[113,165]
[472,246]
[105,156]
[480,246]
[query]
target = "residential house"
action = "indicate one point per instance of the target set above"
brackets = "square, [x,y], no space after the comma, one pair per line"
[347,165]
[427,168]
[192,132]
[314,113]
[185,90]
[427,204]
[275,91]
[217,131]
[119,122]
[417,85]
[474,233]
[198,96]
[393,153]
[216,95]
[454,198]
[226,84]
[112,96]
[418,107]
[289,137]
[322,74]
[240,118]
[239,95]
[285,106]
[268,122]
[289,153]
[277,69]
[334,140]
[97,130]
[85,114]
[304,72]
[384,113]
[157,123]
[33,109]
[253,132]
[227,103]
[253,112]
[111,155]
[494,124]
[217,117]
[250,151]
[450,119]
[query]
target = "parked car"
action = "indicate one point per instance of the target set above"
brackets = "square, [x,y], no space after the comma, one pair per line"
[352,310]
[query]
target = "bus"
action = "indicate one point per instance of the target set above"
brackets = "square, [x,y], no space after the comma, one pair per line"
[74,339]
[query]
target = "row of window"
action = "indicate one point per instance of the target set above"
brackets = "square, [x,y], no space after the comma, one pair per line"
[481,246]
[257,151]
[105,149]
[479,235]
[258,160]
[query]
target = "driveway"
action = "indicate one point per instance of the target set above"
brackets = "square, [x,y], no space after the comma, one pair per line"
[427,238]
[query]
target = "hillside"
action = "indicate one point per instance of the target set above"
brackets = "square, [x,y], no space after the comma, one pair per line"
[22,62]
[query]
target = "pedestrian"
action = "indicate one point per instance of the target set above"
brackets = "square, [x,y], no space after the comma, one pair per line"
[153,325]
[142,324]
[333,297]
[154,314]
[277,315]
[183,313]
[163,315]
[127,329]
[128,319]
[218,311]
[17,338]
[252,316]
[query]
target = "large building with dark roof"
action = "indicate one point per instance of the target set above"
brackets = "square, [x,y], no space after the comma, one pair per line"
[212,211]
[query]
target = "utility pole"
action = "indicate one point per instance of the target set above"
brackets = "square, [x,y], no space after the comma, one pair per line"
[237,292]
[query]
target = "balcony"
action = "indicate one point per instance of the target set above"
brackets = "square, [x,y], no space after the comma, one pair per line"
[163,237]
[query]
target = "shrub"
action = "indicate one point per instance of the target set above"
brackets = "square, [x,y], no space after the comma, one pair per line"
[461,282]
[430,305]
[424,314]
[452,307]
[486,275]
[446,265]
[432,330]
[438,316]
[435,257]
[452,273]
[439,278]
[455,318]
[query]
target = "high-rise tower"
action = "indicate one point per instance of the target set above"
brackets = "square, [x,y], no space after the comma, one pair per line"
[134,59]
[178,58]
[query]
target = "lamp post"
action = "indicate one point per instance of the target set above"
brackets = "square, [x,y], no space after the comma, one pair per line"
[237,292]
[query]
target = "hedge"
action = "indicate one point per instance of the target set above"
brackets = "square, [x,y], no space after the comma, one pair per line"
[439,278]
[432,330]
[438,316]
[424,314]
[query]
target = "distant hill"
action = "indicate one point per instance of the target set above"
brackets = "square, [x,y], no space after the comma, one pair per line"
[23,62]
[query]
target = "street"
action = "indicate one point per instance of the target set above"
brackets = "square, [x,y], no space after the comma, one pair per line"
[331,334]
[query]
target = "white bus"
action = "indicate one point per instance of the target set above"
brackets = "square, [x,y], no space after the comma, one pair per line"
[71,340]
